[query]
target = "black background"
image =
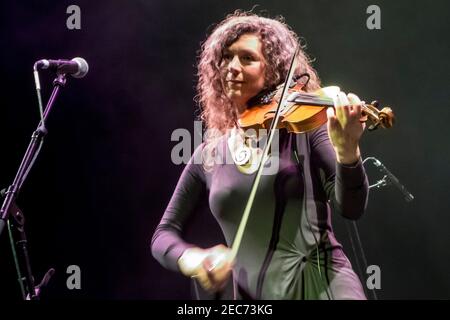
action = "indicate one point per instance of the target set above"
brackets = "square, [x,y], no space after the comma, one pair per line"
[104,175]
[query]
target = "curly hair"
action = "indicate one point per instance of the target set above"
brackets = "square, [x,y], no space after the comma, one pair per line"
[278,45]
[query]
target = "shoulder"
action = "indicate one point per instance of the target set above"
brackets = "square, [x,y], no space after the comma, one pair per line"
[196,157]
[207,155]
[194,166]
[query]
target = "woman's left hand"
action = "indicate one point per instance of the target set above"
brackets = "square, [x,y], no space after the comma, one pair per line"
[344,127]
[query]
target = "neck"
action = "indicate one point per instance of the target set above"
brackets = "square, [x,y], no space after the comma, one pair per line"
[241,107]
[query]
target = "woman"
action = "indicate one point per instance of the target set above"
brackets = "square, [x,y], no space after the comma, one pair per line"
[288,250]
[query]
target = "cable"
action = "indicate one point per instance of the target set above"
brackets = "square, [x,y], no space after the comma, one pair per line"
[41,128]
[30,164]
[352,228]
[38,92]
[16,262]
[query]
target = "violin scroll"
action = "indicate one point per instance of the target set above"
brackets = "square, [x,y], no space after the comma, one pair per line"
[384,117]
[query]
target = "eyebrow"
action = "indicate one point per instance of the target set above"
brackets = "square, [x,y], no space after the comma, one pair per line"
[245,51]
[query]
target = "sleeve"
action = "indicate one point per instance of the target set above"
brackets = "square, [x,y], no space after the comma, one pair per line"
[345,185]
[167,244]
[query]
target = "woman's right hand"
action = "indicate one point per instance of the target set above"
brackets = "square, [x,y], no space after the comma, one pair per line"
[210,267]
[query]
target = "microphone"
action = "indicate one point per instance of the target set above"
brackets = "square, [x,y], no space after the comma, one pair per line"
[408,196]
[77,67]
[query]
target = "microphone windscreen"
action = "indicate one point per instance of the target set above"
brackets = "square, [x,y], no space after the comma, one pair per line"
[83,67]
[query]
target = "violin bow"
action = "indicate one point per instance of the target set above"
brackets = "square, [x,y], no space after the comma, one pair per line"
[240,232]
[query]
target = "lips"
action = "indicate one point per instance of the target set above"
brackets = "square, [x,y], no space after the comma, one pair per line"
[234,81]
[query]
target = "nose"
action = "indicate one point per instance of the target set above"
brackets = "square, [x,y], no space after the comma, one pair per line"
[235,65]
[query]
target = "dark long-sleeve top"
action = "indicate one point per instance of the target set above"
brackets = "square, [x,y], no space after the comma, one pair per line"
[289,229]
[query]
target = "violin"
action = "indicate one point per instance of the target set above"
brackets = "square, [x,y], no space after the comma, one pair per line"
[305,111]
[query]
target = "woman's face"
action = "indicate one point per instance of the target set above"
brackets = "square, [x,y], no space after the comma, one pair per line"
[243,66]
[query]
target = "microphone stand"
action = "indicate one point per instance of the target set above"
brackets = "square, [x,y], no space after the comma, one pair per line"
[14,189]
[352,228]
